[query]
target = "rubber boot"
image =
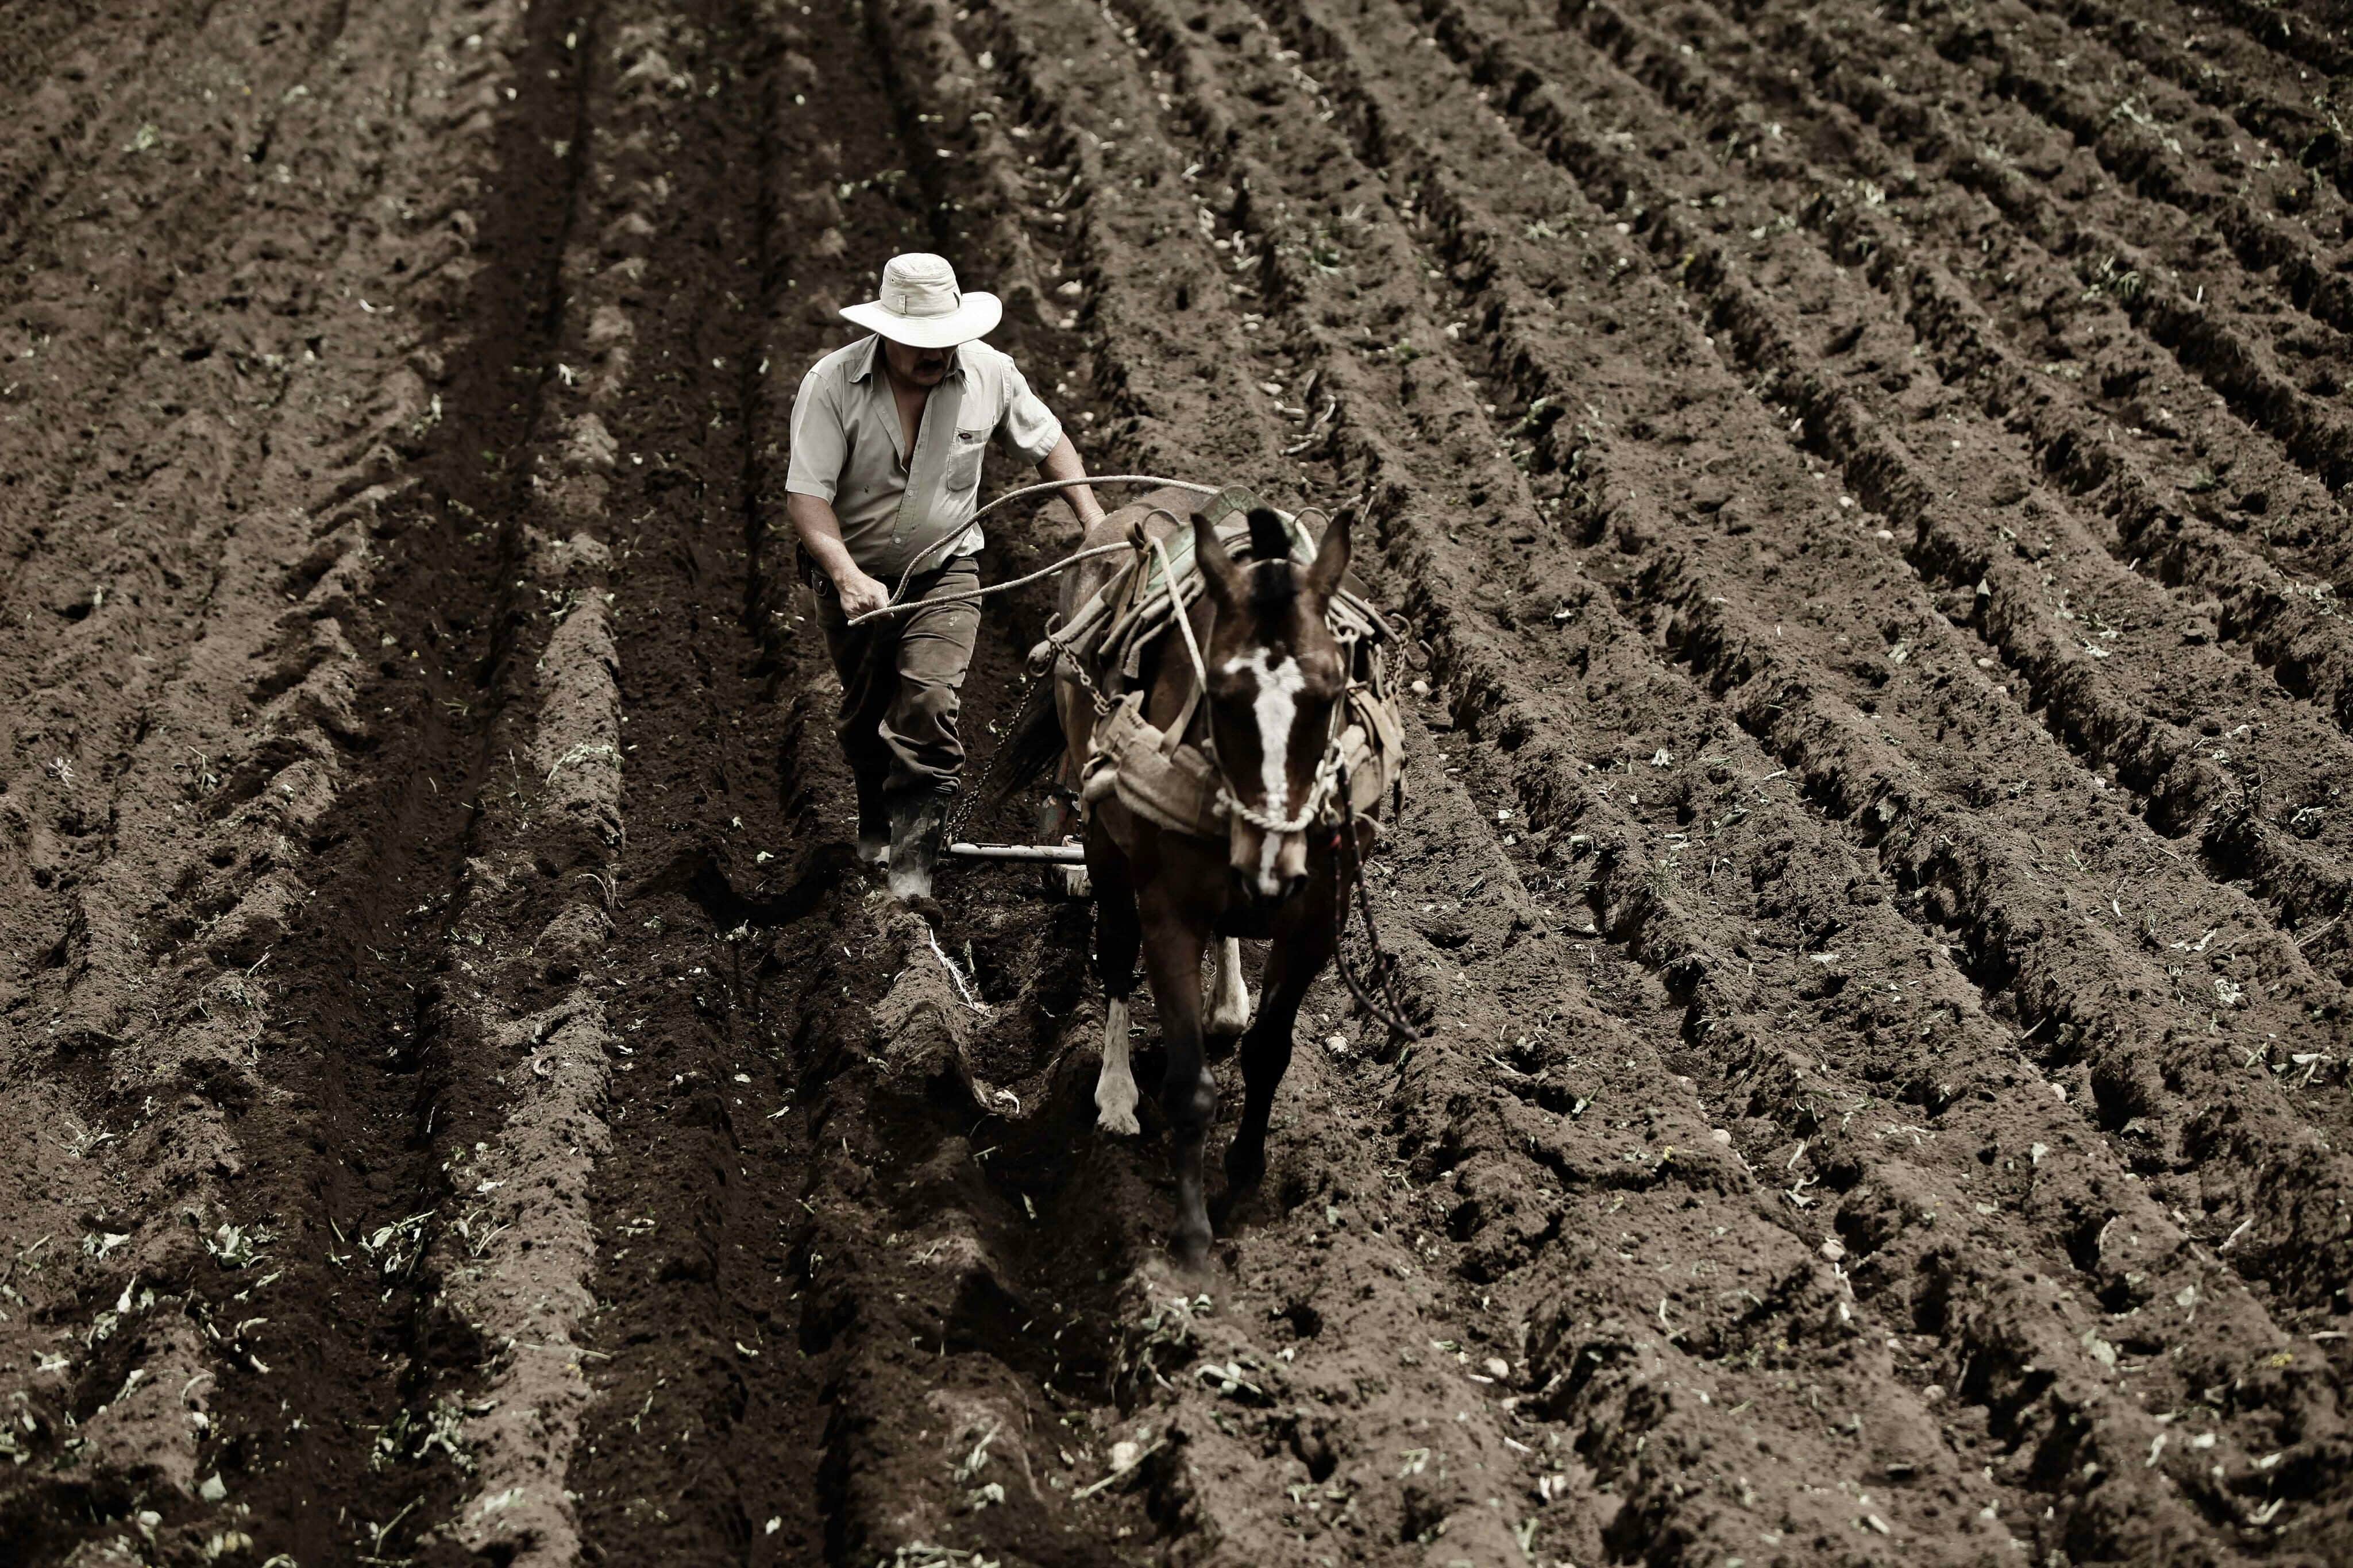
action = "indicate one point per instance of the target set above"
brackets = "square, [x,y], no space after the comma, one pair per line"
[917,820]
[873,826]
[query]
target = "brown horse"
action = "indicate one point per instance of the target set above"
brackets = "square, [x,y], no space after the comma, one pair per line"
[1275,672]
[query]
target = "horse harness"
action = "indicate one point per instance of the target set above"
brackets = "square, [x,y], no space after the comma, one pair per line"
[1178,785]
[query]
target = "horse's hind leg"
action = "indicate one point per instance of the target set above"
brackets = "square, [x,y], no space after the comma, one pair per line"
[1290,965]
[1172,957]
[1117,937]
[1229,1000]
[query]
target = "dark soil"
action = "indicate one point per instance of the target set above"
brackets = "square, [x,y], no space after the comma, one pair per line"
[1866,484]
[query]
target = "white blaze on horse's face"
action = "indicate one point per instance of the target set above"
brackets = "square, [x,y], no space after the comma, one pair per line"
[1280,857]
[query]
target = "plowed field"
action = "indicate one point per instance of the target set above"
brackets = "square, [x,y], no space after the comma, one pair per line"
[1868,486]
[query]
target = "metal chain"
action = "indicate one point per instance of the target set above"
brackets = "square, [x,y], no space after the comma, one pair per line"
[968,800]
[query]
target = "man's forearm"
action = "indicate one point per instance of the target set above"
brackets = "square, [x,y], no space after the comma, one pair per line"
[820,532]
[1063,463]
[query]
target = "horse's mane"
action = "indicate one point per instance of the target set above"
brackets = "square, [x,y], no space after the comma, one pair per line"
[1270,546]
[1270,540]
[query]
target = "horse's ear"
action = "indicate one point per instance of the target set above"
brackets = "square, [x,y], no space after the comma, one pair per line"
[1331,557]
[1218,569]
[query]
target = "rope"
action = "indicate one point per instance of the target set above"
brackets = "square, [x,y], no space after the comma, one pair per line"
[1318,792]
[1183,622]
[1387,1010]
[898,593]
[976,593]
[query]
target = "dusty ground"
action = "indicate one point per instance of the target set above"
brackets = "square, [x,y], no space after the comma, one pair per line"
[1869,481]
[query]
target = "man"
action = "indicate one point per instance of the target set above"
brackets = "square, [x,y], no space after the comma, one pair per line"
[888,435]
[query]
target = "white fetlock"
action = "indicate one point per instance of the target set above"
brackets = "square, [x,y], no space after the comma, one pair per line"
[1229,998]
[1116,1096]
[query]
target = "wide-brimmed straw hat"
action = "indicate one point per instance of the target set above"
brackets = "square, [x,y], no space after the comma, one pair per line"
[922,306]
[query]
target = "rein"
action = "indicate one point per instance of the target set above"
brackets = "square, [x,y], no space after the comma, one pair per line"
[901,604]
[1385,1010]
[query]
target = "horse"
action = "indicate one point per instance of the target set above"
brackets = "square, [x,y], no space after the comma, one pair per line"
[1266,720]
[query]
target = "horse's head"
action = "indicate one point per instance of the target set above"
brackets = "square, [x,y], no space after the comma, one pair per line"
[1276,670]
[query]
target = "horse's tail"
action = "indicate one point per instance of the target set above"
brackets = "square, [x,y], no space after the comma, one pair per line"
[1033,742]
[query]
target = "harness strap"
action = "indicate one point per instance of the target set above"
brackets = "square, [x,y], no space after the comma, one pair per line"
[1184,621]
[1183,721]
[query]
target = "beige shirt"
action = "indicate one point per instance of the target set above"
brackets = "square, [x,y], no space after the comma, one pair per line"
[848,449]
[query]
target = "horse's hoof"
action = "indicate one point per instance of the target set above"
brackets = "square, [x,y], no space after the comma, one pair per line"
[1229,1022]
[1244,1167]
[1113,1117]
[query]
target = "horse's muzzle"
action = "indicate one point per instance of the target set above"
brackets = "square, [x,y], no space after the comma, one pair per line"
[1268,868]
[1267,890]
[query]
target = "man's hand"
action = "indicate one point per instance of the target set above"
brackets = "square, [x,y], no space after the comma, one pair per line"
[857,591]
[820,534]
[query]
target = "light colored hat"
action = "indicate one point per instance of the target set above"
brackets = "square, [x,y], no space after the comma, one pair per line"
[922,306]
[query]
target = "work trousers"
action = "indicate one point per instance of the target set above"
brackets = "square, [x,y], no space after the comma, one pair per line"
[902,677]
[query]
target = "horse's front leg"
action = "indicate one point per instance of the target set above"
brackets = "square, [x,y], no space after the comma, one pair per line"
[1188,1095]
[1116,938]
[1228,996]
[1297,955]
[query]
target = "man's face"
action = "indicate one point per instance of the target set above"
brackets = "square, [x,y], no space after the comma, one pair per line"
[918,367]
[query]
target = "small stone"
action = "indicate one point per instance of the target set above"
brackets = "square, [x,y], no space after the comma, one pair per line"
[1421,688]
[1498,1368]
[1123,1455]
[1338,1045]
[1833,1249]
[214,1488]
[1721,1134]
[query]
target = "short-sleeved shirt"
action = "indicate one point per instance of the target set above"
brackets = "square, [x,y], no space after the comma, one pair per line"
[848,449]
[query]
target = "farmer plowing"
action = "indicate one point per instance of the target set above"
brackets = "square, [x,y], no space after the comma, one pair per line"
[888,434]
[1874,909]
[1220,696]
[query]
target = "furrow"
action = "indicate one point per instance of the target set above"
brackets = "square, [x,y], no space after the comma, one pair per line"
[2289,514]
[2235,77]
[1525,729]
[2154,147]
[2020,615]
[2295,634]
[247,1015]
[2294,33]
[402,965]
[748,1297]
[1259,185]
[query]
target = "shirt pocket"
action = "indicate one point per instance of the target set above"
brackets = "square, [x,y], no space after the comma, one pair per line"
[965,458]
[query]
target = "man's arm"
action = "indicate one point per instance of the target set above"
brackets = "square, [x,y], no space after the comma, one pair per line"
[820,449]
[1063,463]
[820,534]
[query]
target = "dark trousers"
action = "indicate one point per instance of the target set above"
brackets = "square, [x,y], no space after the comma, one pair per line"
[902,677]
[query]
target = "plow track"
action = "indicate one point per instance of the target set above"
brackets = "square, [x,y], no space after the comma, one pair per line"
[1866,484]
